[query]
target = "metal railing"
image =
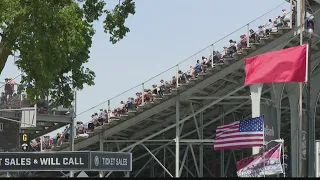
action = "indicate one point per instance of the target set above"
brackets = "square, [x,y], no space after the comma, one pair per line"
[14,97]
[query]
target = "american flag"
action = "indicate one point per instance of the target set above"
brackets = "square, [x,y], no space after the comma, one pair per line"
[240,134]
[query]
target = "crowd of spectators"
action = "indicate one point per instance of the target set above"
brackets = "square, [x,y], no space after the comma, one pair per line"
[9,97]
[12,98]
[165,87]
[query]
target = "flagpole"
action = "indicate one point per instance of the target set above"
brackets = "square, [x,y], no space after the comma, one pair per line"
[310,120]
[300,131]
[264,160]
[283,167]
[264,150]
[301,23]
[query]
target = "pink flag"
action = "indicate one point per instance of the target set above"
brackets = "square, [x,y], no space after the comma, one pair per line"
[285,65]
[253,166]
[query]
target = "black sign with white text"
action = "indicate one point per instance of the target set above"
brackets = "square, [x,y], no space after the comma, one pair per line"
[111,161]
[24,142]
[65,161]
[43,161]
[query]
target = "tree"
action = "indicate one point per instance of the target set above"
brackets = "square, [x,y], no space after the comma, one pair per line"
[53,39]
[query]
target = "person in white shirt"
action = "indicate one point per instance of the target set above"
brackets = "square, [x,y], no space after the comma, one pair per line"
[121,108]
[261,32]
[122,105]
[267,27]
[102,115]
[95,119]
[285,16]
[95,116]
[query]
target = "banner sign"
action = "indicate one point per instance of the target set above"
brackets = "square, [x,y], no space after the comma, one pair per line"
[111,161]
[65,161]
[262,164]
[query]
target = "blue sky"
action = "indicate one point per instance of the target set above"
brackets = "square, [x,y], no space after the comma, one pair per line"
[163,33]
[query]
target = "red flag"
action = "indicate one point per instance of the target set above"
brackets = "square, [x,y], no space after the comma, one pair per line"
[286,65]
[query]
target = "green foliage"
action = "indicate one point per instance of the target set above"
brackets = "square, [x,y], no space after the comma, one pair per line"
[114,22]
[53,38]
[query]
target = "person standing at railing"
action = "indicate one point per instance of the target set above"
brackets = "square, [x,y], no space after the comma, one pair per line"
[8,89]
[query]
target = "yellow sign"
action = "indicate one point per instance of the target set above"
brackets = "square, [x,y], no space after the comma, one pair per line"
[24,137]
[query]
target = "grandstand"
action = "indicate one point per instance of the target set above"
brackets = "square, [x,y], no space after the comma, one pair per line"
[192,109]
[46,120]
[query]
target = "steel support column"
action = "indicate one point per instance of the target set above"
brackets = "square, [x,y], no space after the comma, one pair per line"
[187,166]
[182,164]
[164,160]
[293,90]
[177,174]
[276,96]
[73,126]
[101,173]
[255,91]
[222,151]
[201,146]
[152,167]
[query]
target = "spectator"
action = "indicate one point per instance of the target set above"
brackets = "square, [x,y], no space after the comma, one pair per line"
[198,67]
[182,77]
[67,133]
[232,47]
[268,27]
[55,139]
[147,96]
[80,129]
[254,38]
[102,116]
[279,22]
[285,17]
[130,103]
[154,91]
[8,89]
[173,83]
